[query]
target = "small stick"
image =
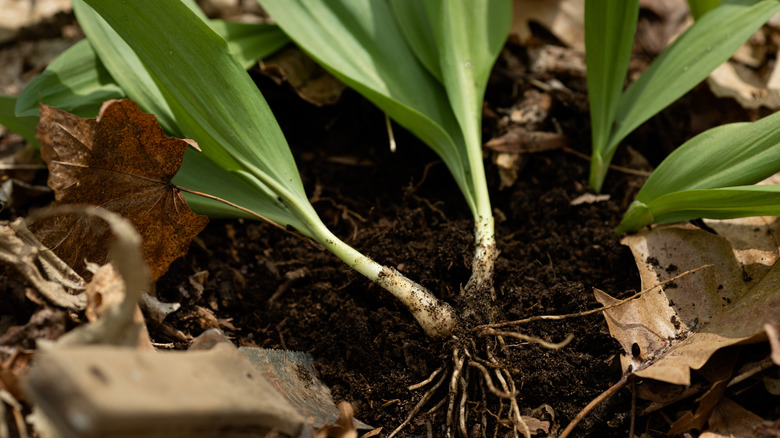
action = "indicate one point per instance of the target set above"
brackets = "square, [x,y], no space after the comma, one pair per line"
[588,312]
[595,402]
[627,170]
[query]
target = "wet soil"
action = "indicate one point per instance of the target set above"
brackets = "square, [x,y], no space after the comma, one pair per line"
[268,288]
[271,289]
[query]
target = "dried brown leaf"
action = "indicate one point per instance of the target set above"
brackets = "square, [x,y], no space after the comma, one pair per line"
[563,18]
[677,327]
[729,419]
[312,82]
[121,161]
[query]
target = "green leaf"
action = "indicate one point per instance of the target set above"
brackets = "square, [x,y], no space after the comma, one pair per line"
[717,165]
[609,37]
[212,100]
[24,126]
[688,61]
[720,203]
[363,45]
[76,82]
[249,42]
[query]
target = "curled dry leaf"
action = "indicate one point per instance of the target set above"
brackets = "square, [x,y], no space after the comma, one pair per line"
[564,18]
[678,326]
[121,161]
[312,82]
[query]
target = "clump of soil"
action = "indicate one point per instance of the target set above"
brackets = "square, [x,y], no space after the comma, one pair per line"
[270,289]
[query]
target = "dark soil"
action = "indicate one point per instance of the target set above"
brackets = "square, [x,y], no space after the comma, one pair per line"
[271,289]
[274,290]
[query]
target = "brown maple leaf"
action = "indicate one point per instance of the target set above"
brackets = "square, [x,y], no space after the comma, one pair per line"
[121,161]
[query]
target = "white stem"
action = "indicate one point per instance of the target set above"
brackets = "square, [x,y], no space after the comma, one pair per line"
[485,253]
[435,317]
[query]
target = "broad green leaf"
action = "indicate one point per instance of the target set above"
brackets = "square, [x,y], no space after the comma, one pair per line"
[728,155]
[125,67]
[213,100]
[465,60]
[688,61]
[360,43]
[249,42]
[76,82]
[24,126]
[716,165]
[610,26]
[701,7]
[720,203]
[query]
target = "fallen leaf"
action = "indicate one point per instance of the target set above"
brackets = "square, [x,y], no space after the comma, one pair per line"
[20,249]
[312,82]
[773,333]
[677,326]
[107,289]
[729,419]
[121,161]
[563,18]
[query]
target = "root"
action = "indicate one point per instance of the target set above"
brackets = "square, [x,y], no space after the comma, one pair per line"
[472,382]
[427,396]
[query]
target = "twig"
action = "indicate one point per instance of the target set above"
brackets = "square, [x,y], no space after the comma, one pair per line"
[627,170]
[587,312]
[595,402]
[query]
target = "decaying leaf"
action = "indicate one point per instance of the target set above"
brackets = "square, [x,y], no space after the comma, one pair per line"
[678,326]
[312,82]
[121,161]
[564,18]
[20,249]
[729,419]
[107,289]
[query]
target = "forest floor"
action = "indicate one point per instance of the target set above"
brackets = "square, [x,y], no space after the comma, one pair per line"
[266,288]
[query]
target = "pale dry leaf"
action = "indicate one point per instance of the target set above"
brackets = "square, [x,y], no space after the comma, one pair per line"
[563,18]
[20,249]
[309,80]
[730,420]
[678,326]
[773,334]
[107,289]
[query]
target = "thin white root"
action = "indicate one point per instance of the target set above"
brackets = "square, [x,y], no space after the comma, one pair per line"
[462,405]
[526,338]
[459,361]
[426,381]
[427,396]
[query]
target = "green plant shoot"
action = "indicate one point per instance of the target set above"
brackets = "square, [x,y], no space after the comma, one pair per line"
[426,65]
[212,99]
[710,175]
[689,60]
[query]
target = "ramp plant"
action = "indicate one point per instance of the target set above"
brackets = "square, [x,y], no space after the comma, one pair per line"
[712,176]
[609,33]
[426,65]
[180,69]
